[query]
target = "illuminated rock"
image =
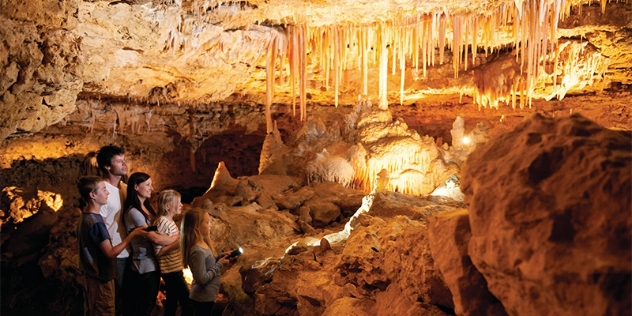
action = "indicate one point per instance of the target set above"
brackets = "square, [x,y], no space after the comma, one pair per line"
[549,209]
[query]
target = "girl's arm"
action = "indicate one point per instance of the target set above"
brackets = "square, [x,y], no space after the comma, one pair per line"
[169,228]
[168,248]
[161,239]
[197,264]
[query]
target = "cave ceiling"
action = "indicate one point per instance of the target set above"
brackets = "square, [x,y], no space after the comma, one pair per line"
[175,53]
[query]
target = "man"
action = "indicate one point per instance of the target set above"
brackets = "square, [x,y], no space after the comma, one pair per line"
[96,252]
[111,162]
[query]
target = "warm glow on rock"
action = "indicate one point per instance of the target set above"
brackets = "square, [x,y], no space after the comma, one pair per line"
[23,205]
[466,140]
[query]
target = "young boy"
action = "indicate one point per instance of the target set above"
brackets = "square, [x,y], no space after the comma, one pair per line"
[97,256]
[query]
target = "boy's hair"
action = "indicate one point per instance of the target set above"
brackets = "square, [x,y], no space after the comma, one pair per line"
[166,197]
[105,155]
[87,185]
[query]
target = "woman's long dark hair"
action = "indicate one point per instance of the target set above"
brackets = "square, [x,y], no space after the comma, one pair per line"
[132,197]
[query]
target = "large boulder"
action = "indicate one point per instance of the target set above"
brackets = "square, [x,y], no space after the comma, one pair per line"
[449,235]
[550,215]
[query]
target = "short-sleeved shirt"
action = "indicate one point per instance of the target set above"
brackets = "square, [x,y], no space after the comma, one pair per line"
[91,232]
[143,257]
[112,213]
[172,261]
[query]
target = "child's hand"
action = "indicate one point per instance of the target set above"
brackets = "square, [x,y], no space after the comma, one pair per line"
[224,261]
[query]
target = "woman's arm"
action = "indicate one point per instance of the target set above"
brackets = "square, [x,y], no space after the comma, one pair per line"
[137,219]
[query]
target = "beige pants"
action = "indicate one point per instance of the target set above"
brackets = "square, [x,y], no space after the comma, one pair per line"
[98,297]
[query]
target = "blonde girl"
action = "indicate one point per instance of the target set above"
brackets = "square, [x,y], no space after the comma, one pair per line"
[169,256]
[198,254]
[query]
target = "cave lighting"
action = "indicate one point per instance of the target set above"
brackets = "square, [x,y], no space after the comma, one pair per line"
[23,207]
[404,163]
[367,202]
[287,250]
[466,140]
[188,276]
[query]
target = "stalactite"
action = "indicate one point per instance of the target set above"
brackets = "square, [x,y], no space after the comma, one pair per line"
[337,55]
[442,30]
[426,45]
[270,82]
[293,66]
[365,59]
[192,137]
[302,72]
[148,120]
[402,70]
[331,50]
[456,44]
[383,78]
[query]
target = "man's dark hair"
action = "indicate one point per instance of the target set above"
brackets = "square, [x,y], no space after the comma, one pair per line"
[105,155]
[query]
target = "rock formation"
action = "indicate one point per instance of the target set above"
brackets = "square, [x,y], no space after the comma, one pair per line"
[549,207]
[327,138]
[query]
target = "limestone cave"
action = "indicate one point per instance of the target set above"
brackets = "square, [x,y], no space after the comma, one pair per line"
[385,157]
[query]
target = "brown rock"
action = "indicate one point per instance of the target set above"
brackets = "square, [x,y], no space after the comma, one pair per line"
[291,201]
[449,236]
[551,220]
[350,306]
[322,213]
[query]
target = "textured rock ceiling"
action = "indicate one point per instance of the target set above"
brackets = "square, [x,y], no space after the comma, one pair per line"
[188,52]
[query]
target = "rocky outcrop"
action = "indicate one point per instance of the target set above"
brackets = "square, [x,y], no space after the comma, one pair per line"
[549,208]
[41,75]
[449,236]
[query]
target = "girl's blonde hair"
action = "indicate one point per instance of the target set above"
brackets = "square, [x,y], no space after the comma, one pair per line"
[189,236]
[166,197]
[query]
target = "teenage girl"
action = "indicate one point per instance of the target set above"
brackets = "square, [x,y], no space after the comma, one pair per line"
[169,256]
[198,253]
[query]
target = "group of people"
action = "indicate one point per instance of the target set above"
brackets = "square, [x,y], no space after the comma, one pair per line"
[126,246]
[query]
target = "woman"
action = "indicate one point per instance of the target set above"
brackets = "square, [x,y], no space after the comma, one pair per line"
[198,254]
[140,286]
[170,257]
